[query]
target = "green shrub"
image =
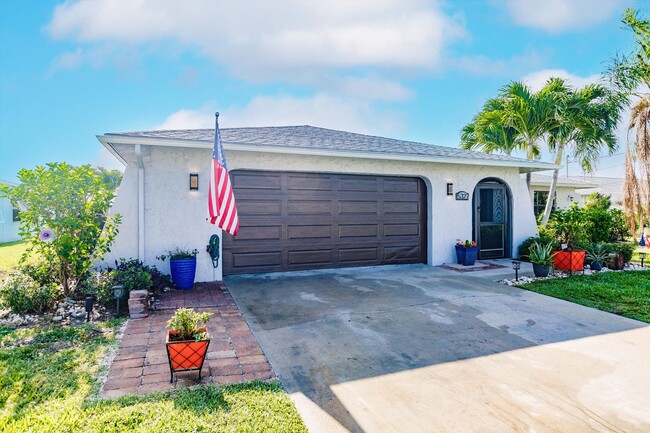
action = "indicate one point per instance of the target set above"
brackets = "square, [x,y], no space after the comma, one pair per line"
[22,294]
[569,226]
[624,248]
[132,274]
[620,227]
[524,249]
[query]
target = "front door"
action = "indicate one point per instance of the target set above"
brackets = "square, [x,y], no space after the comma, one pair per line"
[491,218]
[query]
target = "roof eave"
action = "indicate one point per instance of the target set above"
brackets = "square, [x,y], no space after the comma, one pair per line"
[524,166]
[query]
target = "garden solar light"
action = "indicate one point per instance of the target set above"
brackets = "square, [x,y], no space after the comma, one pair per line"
[90,300]
[118,293]
[516,265]
[642,257]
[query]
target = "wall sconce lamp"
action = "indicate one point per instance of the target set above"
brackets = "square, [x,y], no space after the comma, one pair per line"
[450,189]
[194,181]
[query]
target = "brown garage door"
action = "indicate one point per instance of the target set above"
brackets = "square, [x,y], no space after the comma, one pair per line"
[294,221]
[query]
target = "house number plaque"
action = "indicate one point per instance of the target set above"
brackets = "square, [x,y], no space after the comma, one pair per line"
[462,195]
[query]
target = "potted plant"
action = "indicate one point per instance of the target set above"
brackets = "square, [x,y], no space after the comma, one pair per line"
[187,341]
[568,227]
[183,267]
[596,256]
[466,252]
[541,256]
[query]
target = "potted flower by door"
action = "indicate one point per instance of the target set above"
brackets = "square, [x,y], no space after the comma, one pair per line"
[187,341]
[596,256]
[541,256]
[183,267]
[466,252]
[569,259]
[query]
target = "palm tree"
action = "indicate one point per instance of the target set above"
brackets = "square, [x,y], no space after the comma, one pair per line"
[585,122]
[517,119]
[630,76]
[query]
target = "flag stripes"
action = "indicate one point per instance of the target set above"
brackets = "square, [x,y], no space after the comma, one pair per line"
[222,210]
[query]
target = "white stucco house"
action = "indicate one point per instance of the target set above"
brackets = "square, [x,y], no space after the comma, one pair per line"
[311,198]
[9,219]
[568,190]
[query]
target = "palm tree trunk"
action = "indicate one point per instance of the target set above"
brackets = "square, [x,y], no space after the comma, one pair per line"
[529,155]
[551,191]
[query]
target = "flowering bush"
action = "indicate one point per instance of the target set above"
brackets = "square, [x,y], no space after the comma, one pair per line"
[466,243]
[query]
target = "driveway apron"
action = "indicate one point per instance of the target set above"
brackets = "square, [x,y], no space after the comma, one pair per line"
[414,348]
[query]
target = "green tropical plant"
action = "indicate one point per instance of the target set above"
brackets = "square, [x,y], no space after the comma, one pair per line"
[597,254]
[517,119]
[67,206]
[585,122]
[188,324]
[568,225]
[20,293]
[630,76]
[541,253]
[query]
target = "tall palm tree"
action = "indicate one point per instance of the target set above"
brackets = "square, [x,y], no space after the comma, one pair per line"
[517,119]
[585,122]
[630,76]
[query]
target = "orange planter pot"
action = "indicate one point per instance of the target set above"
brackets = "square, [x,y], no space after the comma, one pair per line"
[569,261]
[186,355]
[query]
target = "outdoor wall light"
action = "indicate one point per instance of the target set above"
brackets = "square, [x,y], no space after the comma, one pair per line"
[450,189]
[642,257]
[194,181]
[516,265]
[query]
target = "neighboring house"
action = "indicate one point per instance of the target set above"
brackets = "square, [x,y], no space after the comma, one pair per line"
[313,198]
[566,192]
[9,219]
[611,186]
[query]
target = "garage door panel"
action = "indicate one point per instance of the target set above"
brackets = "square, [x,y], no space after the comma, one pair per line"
[358,230]
[256,259]
[401,230]
[309,232]
[402,207]
[257,233]
[402,185]
[253,207]
[323,256]
[358,207]
[356,255]
[309,183]
[256,181]
[360,184]
[401,253]
[316,221]
[309,207]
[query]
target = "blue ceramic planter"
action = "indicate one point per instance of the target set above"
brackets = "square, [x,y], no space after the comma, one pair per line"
[466,255]
[183,271]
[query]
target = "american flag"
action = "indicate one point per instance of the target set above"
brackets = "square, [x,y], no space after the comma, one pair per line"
[222,210]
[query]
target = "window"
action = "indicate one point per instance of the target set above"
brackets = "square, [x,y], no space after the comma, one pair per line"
[539,202]
[16,214]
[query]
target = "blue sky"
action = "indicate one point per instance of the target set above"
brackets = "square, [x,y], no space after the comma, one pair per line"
[409,70]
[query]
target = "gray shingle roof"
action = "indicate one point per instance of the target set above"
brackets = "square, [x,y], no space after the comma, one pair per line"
[311,137]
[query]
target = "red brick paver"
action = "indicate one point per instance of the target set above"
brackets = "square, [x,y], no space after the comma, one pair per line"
[234,355]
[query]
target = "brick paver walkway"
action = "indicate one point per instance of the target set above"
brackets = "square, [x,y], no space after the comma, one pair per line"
[141,364]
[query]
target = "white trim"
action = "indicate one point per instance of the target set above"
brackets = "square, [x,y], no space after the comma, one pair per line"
[525,166]
[111,149]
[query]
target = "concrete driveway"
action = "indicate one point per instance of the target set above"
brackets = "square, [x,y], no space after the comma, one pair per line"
[419,349]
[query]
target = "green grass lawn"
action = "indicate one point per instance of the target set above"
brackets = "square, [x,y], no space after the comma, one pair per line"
[10,252]
[623,293]
[47,384]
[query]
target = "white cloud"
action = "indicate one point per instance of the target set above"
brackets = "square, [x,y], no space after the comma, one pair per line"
[265,40]
[484,66]
[324,110]
[556,16]
[68,60]
[373,88]
[536,80]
